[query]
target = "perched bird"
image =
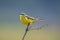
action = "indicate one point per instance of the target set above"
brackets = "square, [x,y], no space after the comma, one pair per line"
[25,19]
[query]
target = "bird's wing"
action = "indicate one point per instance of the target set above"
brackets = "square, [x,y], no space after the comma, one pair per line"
[29,17]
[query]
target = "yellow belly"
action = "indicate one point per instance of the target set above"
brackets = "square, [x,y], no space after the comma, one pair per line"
[25,21]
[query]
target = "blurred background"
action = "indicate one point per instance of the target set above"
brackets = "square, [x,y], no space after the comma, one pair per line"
[12,29]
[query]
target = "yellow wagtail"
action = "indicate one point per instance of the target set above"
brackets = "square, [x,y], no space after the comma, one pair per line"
[25,19]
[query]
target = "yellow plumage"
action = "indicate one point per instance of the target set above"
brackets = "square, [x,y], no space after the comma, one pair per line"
[25,19]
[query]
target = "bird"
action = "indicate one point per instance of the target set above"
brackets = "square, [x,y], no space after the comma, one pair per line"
[25,19]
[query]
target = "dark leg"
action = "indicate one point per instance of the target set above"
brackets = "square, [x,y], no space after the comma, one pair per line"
[25,32]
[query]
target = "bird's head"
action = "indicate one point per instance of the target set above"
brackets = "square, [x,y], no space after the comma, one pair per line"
[22,14]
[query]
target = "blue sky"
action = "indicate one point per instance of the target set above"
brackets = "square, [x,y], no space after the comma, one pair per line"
[47,9]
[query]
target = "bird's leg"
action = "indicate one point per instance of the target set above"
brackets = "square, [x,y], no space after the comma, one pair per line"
[26,31]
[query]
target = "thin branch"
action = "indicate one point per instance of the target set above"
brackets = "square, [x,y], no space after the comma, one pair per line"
[38,27]
[25,32]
